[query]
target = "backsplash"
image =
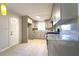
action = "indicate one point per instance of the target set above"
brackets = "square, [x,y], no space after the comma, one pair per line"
[68,30]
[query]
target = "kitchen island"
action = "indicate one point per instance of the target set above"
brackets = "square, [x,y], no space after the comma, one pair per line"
[59,45]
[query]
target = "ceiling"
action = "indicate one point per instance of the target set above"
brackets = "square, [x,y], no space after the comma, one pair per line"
[43,10]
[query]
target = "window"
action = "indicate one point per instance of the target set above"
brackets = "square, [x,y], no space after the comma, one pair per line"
[66,27]
[41,26]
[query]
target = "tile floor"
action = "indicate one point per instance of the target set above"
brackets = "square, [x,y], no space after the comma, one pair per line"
[35,47]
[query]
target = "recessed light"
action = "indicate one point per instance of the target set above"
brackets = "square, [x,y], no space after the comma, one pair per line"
[37,17]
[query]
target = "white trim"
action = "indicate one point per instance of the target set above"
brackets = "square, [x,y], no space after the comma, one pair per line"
[5,49]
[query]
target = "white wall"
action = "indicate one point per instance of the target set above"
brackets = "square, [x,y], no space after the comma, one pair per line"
[5,30]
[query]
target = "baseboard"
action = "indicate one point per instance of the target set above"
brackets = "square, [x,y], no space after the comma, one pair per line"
[5,49]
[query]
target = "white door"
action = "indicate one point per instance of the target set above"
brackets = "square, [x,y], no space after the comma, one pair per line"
[13,31]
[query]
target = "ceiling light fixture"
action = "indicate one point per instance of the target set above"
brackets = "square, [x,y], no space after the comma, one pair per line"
[3,9]
[37,17]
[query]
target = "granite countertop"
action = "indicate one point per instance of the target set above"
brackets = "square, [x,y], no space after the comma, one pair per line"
[62,37]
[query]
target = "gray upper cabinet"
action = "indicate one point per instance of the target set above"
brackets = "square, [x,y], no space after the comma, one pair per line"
[56,13]
[64,11]
[68,11]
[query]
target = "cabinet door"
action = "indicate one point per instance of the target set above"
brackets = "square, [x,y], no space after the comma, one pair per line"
[68,11]
[56,13]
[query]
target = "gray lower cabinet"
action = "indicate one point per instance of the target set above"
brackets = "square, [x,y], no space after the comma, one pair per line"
[63,48]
